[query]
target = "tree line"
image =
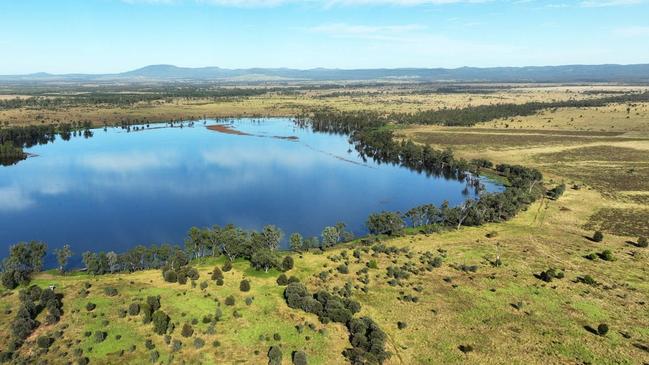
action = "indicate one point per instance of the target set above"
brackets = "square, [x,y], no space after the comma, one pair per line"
[471,115]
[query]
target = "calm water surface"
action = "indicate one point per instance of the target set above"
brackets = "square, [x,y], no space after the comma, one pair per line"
[119,189]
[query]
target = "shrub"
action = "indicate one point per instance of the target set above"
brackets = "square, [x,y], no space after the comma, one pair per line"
[598,236]
[587,279]
[100,336]
[368,342]
[229,300]
[602,329]
[90,307]
[244,285]
[121,313]
[204,285]
[110,291]
[287,263]
[550,274]
[401,325]
[299,358]
[153,302]
[44,342]
[642,242]
[199,343]
[372,264]
[227,266]
[187,330]
[293,279]
[219,282]
[217,274]
[146,310]
[134,309]
[170,276]
[149,344]
[274,356]
[160,322]
[282,279]
[248,301]
[606,255]
[277,337]
[343,269]
[155,355]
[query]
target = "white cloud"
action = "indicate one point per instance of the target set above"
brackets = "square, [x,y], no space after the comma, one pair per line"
[606,3]
[14,198]
[326,3]
[632,31]
[127,162]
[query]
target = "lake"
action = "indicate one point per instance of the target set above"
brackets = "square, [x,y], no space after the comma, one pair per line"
[119,189]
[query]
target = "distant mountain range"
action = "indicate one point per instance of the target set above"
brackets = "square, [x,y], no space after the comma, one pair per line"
[169,73]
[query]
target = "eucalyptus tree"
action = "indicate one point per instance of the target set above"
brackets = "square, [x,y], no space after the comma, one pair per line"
[63,254]
[296,242]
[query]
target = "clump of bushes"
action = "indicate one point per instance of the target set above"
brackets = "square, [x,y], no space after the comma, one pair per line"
[199,343]
[550,274]
[326,306]
[343,269]
[368,342]
[606,255]
[217,276]
[244,286]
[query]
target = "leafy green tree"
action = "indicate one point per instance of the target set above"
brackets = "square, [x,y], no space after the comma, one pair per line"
[63,254]
[296,241]
[388,223]
[264,259]
[24,260]
[160,322]
[330,236]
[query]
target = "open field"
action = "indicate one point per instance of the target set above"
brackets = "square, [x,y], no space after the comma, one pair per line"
[505,313]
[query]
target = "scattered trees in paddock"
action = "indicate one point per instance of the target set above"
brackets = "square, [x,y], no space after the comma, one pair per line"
[187,330]
[388,223]
[160,322]
[299,358]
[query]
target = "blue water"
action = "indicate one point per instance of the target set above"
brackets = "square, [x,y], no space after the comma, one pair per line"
[119,189]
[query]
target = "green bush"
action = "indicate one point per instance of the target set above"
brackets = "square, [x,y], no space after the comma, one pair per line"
[100,336]
[607,255]
[90,307]
[153,302]
[274,356]
[244,285]
[134,309]
[199,343]
[227,266]
[642,242]
[217,274]
[598,236]
[299,358]
[170,276]
[602,329]
[229,300]
[110,291]
[204,285]
[187,330]
[282,279]
[44,342]
[287,263]
[160,322]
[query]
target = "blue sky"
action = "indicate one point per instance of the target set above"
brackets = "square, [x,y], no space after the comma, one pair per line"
[97,36]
